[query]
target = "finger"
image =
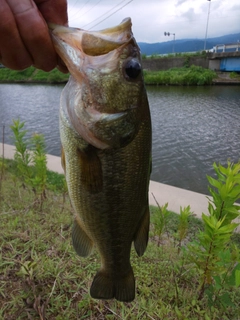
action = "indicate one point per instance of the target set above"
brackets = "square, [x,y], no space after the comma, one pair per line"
[61,66]
[54,11]
[13,52]
[34,33]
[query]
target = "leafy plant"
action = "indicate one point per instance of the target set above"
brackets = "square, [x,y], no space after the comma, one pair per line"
[219,292]
[49,281]
[32,74]
[184,215]
[3,165]
[22,155]
[214,257]
[39,160]
[27,269]
[193,75]
[160,220]
[234,75]
[31,160]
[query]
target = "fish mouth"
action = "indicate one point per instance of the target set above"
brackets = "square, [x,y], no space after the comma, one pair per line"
[90,56]
[74,44]
[105,130]
[97,116]
[93,43]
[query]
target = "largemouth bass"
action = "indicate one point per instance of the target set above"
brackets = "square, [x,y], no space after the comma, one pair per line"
[105,131]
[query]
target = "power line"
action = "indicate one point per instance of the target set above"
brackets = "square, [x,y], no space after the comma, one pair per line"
[90,9]
[74,4]
[79,16]
[80,9]
[104,13]
[107,13]
[111,14]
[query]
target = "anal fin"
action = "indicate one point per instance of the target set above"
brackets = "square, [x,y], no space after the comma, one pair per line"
[141,237]
[81,242]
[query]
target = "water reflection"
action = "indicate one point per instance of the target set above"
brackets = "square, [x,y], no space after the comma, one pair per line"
[192,128]
[37,105]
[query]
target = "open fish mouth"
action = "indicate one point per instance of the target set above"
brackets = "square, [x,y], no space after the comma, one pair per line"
[92,43]
[105,130]
[83,50]
[95,61]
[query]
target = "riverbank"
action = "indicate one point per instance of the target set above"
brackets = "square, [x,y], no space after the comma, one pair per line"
[42,277]
[175,197]
[32,75]
[185,76]
[193,75]
[227,78]
[158,192]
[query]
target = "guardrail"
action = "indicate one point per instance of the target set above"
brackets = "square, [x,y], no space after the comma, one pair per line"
[224,47]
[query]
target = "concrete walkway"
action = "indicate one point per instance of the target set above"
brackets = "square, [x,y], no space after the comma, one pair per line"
[175,197]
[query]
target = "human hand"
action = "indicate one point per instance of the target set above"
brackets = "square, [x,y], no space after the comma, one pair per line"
[24,34]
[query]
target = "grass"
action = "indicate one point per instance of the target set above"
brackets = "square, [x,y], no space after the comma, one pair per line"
[41,277]
[180,76]
[177,54]
[235,76]
[177,76]
[32,75]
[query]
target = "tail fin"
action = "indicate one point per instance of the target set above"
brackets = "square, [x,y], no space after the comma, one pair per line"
[106,287]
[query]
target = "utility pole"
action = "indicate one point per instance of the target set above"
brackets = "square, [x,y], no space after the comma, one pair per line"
[168,34]
[207,24]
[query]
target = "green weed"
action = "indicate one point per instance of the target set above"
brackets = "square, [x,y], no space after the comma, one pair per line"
[189,76]
[32,74]
[41,277]
[235,75]
[31,160]
[183,224]
[215,258]
[160,220]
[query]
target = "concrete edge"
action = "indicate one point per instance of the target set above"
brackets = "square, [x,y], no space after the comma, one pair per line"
[163,193]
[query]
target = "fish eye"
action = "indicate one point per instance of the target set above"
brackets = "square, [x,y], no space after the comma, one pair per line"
[133,69]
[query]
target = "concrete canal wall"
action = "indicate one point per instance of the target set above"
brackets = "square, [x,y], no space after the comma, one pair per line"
[165,63]
[223,61]
[175,197]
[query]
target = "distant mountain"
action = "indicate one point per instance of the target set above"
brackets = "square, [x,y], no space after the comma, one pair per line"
[186,45]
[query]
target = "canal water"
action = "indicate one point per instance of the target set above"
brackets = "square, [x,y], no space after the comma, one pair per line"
[192,127]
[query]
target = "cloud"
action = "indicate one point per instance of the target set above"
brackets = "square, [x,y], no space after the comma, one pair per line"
[189,15]
[180,2]
[186,18]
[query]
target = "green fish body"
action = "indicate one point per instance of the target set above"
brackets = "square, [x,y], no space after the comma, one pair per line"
[105,130]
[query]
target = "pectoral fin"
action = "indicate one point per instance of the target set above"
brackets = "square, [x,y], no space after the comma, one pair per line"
[141,237]
[91,167]
[81,242]
[63,161]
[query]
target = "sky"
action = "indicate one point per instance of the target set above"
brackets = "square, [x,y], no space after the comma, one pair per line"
[187,19]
